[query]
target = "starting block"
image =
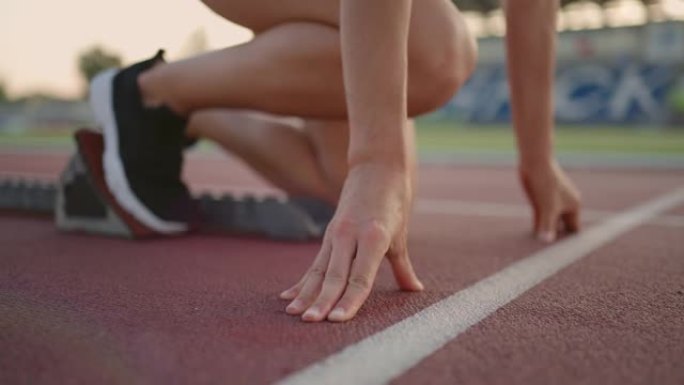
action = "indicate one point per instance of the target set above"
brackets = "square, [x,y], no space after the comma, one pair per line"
[27,196]
[81,202]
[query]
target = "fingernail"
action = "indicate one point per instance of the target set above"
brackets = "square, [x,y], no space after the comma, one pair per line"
[546,236]
[337,314]
[286,294]
[421,287]
[294,306]
[311,314]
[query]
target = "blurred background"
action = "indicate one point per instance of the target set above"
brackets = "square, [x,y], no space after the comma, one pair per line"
[619,83]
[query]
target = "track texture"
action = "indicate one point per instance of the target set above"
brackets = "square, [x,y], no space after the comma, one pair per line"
[204,310]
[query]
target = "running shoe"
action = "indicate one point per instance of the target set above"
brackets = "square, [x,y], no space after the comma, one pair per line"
[143,150]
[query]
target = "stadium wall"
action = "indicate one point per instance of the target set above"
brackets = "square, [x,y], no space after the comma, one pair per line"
[632,75]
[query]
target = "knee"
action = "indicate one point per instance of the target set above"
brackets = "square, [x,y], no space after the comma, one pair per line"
[441,65]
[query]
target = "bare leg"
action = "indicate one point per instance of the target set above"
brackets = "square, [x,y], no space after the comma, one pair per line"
[310,160]
[293,66]
[285,69]
[307,159]
[330,140]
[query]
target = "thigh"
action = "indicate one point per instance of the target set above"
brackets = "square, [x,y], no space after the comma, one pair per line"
[428,21]
[439,43]
[261,15]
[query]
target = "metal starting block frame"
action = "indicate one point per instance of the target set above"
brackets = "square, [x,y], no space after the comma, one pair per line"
[289,219]
[27,196]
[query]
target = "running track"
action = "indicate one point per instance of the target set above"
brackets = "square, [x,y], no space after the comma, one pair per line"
[606,307]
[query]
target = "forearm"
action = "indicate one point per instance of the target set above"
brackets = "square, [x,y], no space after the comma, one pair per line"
[530,43]
[374,57]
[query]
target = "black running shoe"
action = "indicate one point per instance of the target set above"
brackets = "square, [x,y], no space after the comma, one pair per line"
[143,153]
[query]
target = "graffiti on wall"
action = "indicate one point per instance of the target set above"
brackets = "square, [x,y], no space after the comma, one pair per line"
[630,92]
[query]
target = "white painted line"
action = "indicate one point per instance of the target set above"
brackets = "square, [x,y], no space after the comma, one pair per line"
[507,210]
[487,209]
[387,354]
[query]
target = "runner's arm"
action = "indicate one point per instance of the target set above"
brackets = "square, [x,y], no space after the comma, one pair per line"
[371,219]
[374,56]
[531,48]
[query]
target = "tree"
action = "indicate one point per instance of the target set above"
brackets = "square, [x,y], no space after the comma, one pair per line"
[4,98]
[94,60]
[197,43]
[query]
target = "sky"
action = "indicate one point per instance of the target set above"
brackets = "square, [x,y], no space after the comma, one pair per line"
[40,39]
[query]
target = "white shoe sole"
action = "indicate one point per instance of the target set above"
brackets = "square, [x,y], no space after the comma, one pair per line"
[115,176]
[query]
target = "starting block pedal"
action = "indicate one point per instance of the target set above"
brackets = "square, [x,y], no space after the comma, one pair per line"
[79,207]
[27,196]
[83,203]
[269,216]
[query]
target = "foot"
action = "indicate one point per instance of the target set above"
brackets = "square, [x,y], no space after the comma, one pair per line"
[143,153]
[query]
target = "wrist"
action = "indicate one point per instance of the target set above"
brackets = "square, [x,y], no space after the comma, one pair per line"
[384,175]
[537,165]
[535,153]
[383,166]
[389,164]
[391,154]
[389,148]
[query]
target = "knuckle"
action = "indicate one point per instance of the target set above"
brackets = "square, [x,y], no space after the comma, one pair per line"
[317,272]
[375,232]
[341,229]
[335,279]
[360,282]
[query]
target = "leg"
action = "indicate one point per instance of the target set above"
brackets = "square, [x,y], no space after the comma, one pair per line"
[330,140]
[310,159]
[293,66]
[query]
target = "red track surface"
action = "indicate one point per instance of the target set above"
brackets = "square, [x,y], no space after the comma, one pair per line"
[78,309]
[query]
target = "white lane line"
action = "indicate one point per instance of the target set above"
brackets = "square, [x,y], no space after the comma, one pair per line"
[389,353]
[487,209]
[507,210]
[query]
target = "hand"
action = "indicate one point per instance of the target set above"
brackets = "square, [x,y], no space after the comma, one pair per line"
[554,198]
[371,222]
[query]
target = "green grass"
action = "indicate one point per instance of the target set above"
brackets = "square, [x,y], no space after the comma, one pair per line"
[456,137]
[29,138]
[440,137]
